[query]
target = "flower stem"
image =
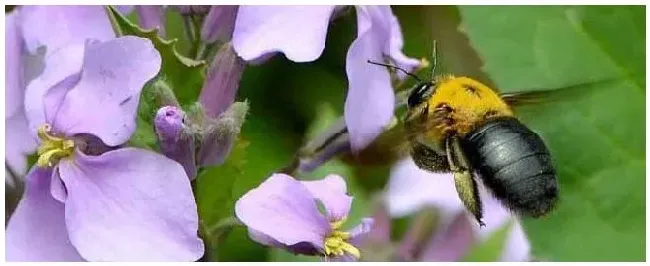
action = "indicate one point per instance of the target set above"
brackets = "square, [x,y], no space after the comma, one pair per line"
[195,23]
[110,12]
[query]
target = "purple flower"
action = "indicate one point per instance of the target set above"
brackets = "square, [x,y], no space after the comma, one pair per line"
[282,212]
[299,33]
[17,138]
[62,32]
[410,189]
[27,29]
[88,197]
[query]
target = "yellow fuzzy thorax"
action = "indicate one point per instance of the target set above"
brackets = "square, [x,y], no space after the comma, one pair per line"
[471,101]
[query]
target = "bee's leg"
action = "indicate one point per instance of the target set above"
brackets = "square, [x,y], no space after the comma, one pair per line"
[465,183]
[428,159]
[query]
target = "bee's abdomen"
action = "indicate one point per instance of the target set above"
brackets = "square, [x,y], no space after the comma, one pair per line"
[514,164]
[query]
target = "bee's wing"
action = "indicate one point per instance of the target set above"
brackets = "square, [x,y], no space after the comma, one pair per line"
[553,95]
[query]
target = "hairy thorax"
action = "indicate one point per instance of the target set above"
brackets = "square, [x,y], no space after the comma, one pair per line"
[456,106]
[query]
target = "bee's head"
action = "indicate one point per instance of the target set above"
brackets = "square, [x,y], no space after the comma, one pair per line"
[420,93]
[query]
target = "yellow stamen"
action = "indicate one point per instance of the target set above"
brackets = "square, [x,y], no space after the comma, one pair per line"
[52,148]
[336,243]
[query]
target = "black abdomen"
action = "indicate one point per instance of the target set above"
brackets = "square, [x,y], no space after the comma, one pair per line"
[514,164]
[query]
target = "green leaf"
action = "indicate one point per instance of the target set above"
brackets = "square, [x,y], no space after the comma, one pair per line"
[213,192]
[597,139]
[184,75]
[490,249]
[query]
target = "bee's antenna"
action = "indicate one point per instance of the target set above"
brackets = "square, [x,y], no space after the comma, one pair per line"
[434,58]
[398,68]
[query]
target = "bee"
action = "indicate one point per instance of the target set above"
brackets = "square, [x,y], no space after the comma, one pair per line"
[458,125]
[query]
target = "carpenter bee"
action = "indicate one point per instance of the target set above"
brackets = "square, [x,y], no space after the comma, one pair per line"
[460,125]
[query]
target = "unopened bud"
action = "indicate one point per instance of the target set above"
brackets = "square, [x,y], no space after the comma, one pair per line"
[198,10]
[150,17]
[221,86]
[175,139]
[219,134]
[219,24]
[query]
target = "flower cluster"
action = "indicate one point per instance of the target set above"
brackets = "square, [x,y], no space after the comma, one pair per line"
[75,100]
[89,197]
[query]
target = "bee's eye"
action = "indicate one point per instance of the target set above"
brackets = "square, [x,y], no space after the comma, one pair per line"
[420,93]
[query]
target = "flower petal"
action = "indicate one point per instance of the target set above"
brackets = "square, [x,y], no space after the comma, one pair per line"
[345,258]
[114,73]
[125,10]
[284,209]
[370,100]
[495,215]
[19,142]
[36,230]
[304,248]
[58,26]
[130,205]
[359,233]
[297,31]
[57,188]
[452,242]
[14,79]
[396,42]
[411,188]
[331,191]
[517,247]
[58,65]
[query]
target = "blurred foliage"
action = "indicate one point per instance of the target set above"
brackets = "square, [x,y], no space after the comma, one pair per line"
[490,249]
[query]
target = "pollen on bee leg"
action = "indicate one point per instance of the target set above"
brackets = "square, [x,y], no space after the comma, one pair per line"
[52,148]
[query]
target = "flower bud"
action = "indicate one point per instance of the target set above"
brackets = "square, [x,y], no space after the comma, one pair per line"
[198,10]
[219,135]
[219,24]
[175,139]
[150,17]
[221,86]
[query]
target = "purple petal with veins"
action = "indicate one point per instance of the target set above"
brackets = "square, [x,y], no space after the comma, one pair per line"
[130,196]
[284,209]
[111,80]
